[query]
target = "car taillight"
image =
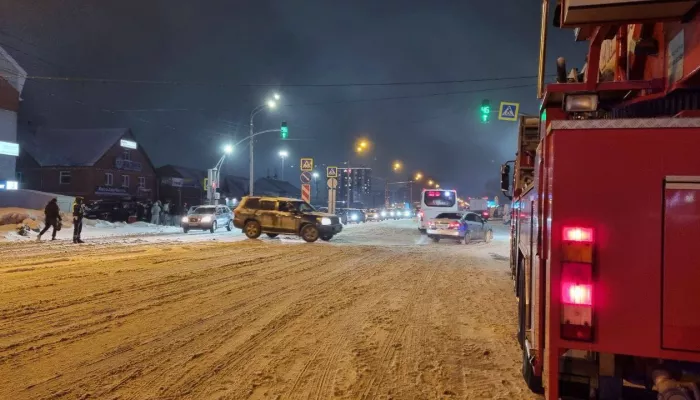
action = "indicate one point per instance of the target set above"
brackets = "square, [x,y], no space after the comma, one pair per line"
[453,225]
[577,284]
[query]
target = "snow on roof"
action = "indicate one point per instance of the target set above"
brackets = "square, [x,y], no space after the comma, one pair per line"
[70,147]
[11,71]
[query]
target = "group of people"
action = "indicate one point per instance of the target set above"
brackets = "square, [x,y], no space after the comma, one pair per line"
[157,213]
[53,219]
[164,213]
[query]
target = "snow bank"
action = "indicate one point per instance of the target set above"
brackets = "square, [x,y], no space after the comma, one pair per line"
[12,218]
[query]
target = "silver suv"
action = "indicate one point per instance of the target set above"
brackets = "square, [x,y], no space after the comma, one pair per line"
[208,218]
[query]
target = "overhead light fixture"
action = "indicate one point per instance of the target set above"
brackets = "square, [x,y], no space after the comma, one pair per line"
[581,102]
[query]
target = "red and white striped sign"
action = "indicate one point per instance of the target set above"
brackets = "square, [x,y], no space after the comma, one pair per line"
[306,192]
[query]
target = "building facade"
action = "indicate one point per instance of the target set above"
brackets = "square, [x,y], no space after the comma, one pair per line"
[358,181]
[91,163]
[12,78]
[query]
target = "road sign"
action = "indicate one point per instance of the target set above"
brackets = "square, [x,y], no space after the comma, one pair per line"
[305,177]
[332,183]
[508,111]
[307,164]
[306,192]
[332,172]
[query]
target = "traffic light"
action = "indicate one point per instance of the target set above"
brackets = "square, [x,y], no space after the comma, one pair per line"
[284,131]
[485,111]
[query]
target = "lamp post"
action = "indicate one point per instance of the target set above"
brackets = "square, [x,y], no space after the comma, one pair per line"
[283,154]
[215,175]
[270,104]
[315,175]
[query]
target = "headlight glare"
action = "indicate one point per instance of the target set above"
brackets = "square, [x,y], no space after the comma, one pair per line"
[325,221]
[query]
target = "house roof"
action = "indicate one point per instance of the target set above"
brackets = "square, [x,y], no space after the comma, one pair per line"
[187,173]
[234,186]
[275,187]
[11,71]
[70,147]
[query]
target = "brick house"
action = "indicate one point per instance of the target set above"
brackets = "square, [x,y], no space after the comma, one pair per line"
[92,163]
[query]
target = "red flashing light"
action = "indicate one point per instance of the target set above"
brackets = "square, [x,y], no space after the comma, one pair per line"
[578,234]
[577,293]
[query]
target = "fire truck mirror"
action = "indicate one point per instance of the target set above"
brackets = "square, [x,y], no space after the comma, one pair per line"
[505,177]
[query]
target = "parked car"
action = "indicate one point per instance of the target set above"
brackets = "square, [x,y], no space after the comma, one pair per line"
[460,227]
[281,215]
[110,210]
[208,218]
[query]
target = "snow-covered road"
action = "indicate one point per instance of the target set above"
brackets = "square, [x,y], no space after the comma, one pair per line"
[379,312]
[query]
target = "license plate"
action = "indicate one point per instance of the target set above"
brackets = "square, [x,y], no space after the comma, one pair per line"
[193,219]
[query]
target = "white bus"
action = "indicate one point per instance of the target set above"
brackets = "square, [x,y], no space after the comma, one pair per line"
[434,202]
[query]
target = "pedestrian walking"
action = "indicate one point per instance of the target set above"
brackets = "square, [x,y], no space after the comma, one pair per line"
[155,213]
[78,214]
[52,217]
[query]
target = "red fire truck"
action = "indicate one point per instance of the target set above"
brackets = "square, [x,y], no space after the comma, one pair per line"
[609,291]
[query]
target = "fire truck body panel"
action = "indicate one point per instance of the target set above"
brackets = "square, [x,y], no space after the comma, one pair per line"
[629,236]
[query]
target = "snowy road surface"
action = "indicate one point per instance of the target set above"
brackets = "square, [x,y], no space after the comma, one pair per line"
[377,313]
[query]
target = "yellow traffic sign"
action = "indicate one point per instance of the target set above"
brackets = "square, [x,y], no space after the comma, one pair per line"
[307,164]
[508,111]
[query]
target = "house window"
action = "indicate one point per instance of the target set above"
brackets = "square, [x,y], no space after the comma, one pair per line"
[127,155]
[142,182]
[109,179]
[125,181]
[64,178]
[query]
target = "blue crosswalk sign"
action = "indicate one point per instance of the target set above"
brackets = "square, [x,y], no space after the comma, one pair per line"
[508,111]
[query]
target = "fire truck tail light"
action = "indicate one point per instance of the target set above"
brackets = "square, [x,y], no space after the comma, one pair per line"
[577,301]
[577,293]
[578,234]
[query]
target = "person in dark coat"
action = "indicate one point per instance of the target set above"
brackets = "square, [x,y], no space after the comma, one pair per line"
[78,213]
[52,216]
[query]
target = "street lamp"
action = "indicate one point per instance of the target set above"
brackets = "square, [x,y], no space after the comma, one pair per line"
[437,186]
[397,166]
[270,104]
[430,182]
[283,154]
[418,176]
[215,173]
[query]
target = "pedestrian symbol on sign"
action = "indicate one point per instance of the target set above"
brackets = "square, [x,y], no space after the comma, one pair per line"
[332,172]
[307,164]
[508,111]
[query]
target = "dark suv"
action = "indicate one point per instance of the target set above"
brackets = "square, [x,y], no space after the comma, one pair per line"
[281,215]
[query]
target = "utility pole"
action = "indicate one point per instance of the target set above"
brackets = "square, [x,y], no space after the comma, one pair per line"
[250,167]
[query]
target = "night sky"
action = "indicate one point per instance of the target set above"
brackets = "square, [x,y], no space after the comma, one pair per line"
[223,57]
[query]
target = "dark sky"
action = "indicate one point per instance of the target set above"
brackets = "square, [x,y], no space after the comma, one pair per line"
[226,45]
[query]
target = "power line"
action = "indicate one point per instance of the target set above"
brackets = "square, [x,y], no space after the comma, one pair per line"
[238,84]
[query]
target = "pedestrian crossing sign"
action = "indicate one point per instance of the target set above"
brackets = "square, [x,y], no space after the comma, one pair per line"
[508,111]
[332,172]
[307,164]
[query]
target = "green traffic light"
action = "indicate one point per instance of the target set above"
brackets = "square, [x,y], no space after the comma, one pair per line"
[284,131]
[484,118]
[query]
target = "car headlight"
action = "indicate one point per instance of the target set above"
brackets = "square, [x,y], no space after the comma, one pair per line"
[325,221]
[392,213]
[407,214]
[206,219]
[354,217]
[184,219]
[383,213]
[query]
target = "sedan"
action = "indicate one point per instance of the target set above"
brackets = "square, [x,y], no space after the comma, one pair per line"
[208,218]
[460,227]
